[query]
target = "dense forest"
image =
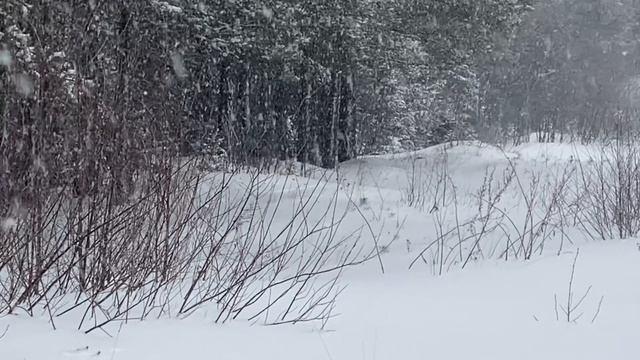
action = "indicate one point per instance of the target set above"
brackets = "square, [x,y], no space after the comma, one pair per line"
[85,84]
[317,81]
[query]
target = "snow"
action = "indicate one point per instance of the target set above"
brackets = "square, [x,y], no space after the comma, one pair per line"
[177,62]
[168,7]
[5,58]
[487,313]
[267,13]
[24,84]
[492,309]
[8,224]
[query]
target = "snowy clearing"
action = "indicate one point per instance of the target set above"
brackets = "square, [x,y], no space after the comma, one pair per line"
[493,307]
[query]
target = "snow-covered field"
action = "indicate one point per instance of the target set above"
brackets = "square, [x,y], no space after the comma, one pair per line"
[465,276]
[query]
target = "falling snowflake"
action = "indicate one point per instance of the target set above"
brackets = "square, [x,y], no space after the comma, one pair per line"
[24,84]
[5,58]
[177,62]
[267,13]
[39,164]
[167,7]
[7,224]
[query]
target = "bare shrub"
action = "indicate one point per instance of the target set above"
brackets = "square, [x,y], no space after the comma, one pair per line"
[571,311]
[256,259]
[453,232]
[181,241]
[608,192]
[497,229]
[544,200]
[427,181]
[4,332]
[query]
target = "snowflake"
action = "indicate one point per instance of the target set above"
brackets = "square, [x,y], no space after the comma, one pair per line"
[5,58]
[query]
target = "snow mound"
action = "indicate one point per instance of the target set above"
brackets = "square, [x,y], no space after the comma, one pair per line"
[555,152]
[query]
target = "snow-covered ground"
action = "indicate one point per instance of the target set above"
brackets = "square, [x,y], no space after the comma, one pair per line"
[457,300]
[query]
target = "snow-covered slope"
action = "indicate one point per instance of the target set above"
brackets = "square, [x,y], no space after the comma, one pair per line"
[495,308]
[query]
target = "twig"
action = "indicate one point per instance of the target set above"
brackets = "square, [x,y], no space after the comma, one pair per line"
[595,316]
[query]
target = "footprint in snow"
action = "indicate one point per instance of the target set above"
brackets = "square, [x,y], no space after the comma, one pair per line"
[84,352]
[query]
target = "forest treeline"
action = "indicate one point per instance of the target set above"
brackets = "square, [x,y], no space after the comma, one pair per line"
[100,88]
